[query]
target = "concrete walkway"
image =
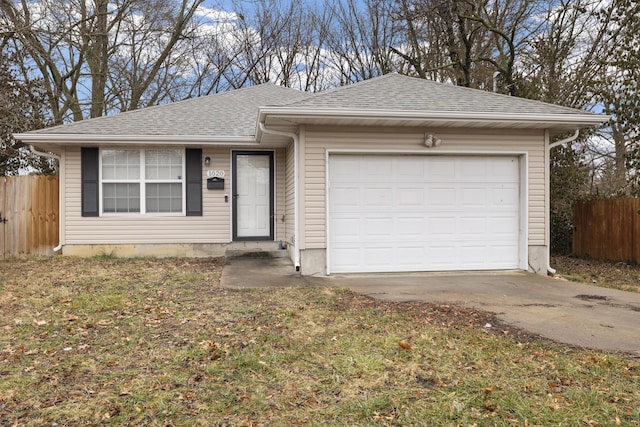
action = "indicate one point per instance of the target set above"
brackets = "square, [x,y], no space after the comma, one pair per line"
[567,312]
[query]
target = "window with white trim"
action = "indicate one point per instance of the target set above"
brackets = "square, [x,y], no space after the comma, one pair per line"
[142,181]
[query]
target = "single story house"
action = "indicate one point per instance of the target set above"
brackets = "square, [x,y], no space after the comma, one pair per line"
[391,174]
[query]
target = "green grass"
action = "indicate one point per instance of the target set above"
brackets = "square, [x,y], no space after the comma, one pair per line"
[158,342]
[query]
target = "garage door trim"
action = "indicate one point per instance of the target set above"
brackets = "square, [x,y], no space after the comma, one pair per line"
[523,177]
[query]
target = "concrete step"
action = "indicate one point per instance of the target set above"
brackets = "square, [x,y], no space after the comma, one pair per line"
[256,253]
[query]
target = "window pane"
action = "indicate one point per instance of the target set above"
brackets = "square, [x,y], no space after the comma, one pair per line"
[163,164]
[109,203]
[109,191]
[121,165]
[176,205]
[164,205]
[152,205]
[120,198]
[164,197]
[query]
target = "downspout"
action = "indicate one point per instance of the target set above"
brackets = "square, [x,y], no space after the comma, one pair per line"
[296,232]
[555,144]
[565,140]
[49,156]
[43,154]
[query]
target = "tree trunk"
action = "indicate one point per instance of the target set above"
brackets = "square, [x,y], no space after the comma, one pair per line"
[619,140]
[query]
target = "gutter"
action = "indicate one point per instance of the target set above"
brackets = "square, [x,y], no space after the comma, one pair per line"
[571,138]
[296,222]
[50,156]
[68,139]
[570,118]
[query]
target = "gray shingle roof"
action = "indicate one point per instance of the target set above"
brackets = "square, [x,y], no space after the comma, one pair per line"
[395,92]
[235,113]
[232,114]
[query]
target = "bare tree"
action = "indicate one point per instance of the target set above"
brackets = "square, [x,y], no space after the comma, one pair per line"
[79,47]
[620,96]
[360,39]
[23,107]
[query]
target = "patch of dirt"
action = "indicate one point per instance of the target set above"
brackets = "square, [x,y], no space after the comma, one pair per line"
[617,275]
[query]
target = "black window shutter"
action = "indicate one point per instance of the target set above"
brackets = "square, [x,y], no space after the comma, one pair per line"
[193,157]
[89,176]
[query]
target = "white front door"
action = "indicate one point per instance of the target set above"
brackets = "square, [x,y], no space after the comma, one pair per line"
[253,196]
[424,213]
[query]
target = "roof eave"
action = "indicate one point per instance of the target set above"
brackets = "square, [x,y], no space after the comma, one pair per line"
[464,119]
[77,139]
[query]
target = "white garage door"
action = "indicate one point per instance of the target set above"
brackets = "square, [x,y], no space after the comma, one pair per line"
[423,213]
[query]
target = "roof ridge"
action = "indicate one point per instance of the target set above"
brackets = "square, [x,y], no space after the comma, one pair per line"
[357,84]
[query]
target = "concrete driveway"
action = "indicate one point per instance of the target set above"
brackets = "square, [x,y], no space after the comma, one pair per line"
[567,312]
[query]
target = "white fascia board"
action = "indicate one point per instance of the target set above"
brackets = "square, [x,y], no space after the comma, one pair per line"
[584,120]
[76,139]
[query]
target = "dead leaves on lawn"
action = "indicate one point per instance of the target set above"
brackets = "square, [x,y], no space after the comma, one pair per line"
[618,275]
[157,342]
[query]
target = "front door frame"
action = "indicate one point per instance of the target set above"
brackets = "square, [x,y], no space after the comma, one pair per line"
[234,189]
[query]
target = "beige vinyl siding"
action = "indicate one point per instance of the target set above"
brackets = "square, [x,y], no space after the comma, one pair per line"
[319,140]
[289,194]
[314,197]
[280,193]
[214,226]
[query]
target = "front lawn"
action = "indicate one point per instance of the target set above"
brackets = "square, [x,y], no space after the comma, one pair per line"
[158,342]
[616,275]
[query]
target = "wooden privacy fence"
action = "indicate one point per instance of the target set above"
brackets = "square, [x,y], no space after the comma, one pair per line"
[607,230]
[28,215]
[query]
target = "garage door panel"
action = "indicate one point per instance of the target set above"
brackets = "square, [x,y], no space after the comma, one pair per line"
[378,197]
[474,255]
[505,196]
[409,196]
[472,197]
[345,167]
[410,227]
[346,228]
[409,167]
[345,197]
[472,169]
[377,167]
[473,226]
[378,227]
[506,167]
[441,196]
[379,255]
[411,256]
[422,213]
[441,225]
[346,258]
[442,257]
[503,225]
[441,169]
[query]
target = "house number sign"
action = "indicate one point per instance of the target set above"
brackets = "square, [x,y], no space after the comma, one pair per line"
[215,174]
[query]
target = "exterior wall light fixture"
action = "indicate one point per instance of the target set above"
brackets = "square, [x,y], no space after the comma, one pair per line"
[431,141]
